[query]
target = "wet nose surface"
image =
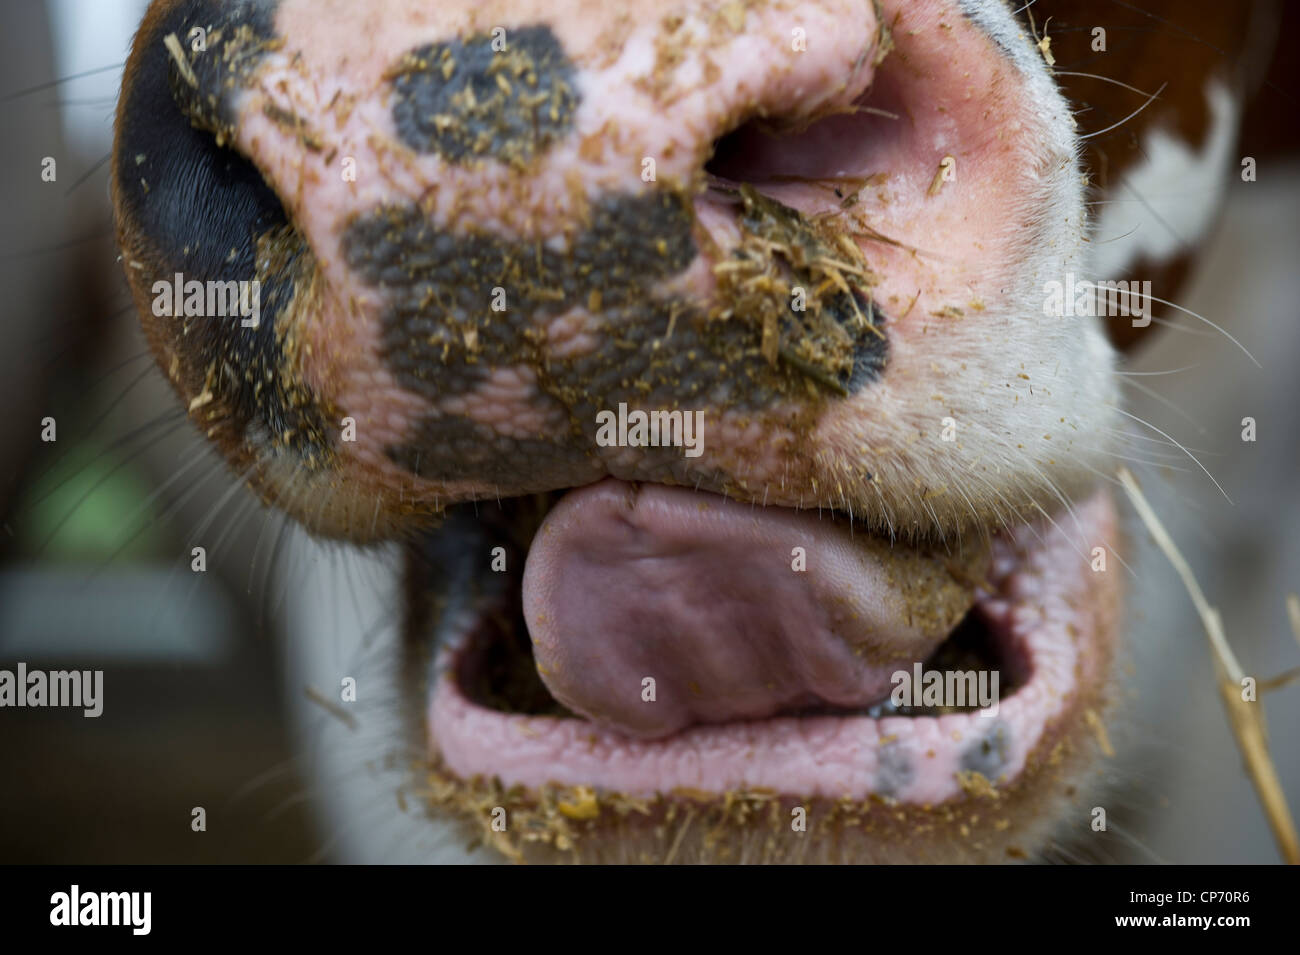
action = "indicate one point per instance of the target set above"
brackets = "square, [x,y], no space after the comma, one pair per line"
[526,247]
[492,226]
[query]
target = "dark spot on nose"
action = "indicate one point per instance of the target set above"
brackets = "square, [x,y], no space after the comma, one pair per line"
[439,286]
[188,204]
[454,447]
[835,338]
[441,337]
[989,754]
[507,97]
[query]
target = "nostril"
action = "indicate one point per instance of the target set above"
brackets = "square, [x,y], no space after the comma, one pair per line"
[798,269]
[744,153]
[196,203]
[835,147]
[189,209]
[213,56]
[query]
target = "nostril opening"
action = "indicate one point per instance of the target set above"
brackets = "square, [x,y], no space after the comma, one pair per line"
[729,158]
[194,213]
[752,152]
[788,186]
[190,197]
[196,204]
[839,146]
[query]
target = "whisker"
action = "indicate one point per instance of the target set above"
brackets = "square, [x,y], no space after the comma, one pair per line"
[59,82]
[174,416]
[139,510]
[1154,213]
[59,247]
[1104,79]
[1188,311]
[1151,99]
[88,173]
[1161,399]
[76,506]
[1147,424]
[1171,24]
[1145,374]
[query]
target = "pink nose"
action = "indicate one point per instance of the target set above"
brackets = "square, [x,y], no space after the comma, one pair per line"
[513,237]
[480,244]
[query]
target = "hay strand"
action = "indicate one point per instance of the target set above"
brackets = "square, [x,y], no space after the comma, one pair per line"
[1246,719]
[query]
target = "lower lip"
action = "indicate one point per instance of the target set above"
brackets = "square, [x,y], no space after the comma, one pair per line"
[1049,608]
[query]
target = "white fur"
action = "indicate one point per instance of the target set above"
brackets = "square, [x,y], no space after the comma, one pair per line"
[1167,204]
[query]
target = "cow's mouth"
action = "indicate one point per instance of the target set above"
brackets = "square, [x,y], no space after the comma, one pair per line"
[1041,618]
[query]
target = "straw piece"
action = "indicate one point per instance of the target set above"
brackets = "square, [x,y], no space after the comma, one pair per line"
[1245,719]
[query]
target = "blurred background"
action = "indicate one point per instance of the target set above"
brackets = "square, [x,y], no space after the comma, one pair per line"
[96,527]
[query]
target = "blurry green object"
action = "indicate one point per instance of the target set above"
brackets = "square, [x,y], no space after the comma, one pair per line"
[91,507]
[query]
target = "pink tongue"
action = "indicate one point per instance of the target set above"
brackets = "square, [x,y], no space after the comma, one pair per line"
[627,584]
